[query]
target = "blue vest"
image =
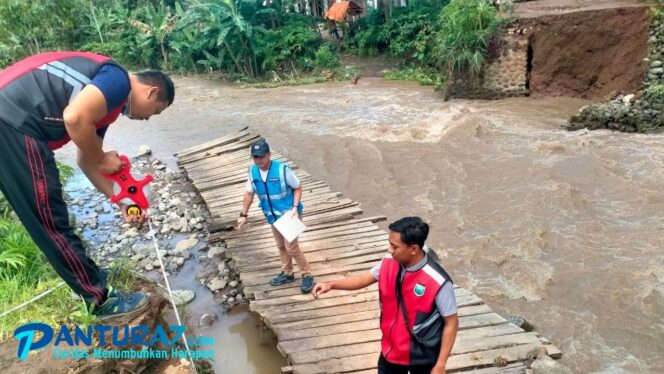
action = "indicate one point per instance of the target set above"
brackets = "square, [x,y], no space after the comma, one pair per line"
[276,197]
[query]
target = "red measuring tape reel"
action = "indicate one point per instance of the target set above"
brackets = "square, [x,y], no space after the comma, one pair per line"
[130,190]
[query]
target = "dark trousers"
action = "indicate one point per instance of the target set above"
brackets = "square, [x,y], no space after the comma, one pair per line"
[30,181]
[386,367]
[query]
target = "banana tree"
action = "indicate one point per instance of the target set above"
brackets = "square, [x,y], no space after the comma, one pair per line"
[225,37]
[157,25]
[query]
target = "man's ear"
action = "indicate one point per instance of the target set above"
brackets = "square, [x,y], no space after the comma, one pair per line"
[414,248]
[153,91]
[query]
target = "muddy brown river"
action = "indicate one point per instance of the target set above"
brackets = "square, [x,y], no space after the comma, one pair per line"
[563,228]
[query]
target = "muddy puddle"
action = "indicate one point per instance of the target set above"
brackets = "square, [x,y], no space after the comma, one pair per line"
[562,228]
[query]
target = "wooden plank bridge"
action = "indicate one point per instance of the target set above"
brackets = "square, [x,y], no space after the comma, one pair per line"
[340,332]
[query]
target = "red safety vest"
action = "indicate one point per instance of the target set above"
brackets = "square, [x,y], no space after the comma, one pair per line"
[418,290]
[35,92]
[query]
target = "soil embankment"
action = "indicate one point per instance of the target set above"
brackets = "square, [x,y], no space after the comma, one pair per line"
[594,53]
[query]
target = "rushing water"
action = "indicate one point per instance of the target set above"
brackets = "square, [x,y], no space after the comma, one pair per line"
[564,228]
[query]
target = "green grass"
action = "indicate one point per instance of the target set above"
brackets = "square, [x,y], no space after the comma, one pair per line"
[425,77]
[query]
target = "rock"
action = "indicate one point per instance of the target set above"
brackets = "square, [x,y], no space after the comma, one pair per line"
[216,252]
[131,233]
[222,267]
[233,292]
[175,202]
[177,369]
[656,71]
[193,222]
[199,226]
[185,245]
[546,365]
[166,229]
[519,322]
[233,284]
[230,300]
[144,150]
[207,320]
[182,297]
[656,64]
[628,99]
[149,267]
[239,297]
[217,284]
[179,261]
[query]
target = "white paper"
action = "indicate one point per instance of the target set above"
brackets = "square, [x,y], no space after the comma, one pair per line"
[290,227]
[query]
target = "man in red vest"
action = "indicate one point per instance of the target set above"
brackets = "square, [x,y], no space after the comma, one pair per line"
[419,318]
[45,101]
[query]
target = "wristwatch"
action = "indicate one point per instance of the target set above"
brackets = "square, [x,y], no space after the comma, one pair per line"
[243,215]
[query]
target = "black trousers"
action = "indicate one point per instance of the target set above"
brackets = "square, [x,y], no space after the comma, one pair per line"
[385,367]
[30,181]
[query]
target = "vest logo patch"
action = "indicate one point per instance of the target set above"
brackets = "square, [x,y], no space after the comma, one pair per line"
[419,289]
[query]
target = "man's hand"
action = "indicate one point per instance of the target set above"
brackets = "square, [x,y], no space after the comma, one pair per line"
[321,288]
[133,218]
[294,212]
[241,221]
[438,369]
[110,163]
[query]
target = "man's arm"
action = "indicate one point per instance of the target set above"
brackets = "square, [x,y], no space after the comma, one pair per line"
[80,117]
[90,170]
[448,337]
[351,283]
[297,195]
[247,200]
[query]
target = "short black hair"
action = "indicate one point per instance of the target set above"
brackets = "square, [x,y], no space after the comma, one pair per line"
[161,80]
[412,229]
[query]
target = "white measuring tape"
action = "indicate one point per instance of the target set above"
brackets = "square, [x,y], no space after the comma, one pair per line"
[170,294]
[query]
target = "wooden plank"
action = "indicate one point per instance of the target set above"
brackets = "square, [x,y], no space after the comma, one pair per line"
[329,249]
[454,363]
[324,270]
[462,345]
[212,143]
[514,368]
[318,313]
[315,257]
[473,337]
[222,236]
[317,266]
[349,240]
[258,305]
[334,232]
[328,321]
[465,322]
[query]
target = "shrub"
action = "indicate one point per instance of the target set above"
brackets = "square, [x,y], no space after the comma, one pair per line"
[326,58]
[466,29]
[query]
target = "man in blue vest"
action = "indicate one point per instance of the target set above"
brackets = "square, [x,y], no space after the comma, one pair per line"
[279,193]
[419,318]
[45,101]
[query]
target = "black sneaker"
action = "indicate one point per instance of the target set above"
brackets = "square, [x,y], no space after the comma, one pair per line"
[307,283]
[282,278]
[121,304]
